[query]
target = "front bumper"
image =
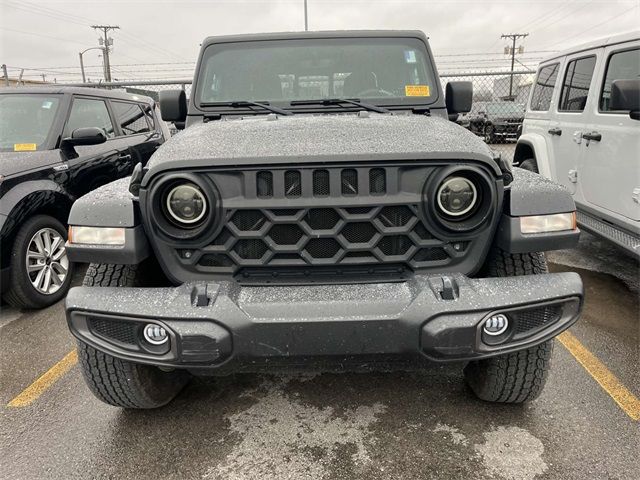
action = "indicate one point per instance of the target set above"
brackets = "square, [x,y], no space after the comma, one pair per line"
[223,327]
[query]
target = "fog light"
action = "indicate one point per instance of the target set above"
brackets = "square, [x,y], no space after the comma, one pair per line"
[496,325]
[155,334]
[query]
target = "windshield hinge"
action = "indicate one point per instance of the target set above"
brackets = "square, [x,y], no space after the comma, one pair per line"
[505,168]
[211,116]
[421,111]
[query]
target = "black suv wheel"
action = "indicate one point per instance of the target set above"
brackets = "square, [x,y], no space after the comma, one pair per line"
[40,270]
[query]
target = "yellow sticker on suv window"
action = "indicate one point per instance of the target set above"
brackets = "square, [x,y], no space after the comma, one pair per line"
[25,147]
[416,90]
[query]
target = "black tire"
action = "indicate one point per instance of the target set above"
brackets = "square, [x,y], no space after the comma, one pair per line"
[489,136]
[515,377]
[21,292]
[529,164]
[118,382]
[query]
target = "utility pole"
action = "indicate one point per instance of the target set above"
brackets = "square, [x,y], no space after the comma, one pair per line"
[306,21]
[107,42]
[512,50]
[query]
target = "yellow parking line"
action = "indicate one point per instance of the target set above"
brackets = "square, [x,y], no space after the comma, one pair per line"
[51,376]
[601,374]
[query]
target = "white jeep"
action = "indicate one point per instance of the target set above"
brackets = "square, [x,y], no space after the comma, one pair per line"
[582,129]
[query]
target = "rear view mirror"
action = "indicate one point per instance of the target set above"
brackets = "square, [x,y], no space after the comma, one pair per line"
[86,136]
[173,105]
[459,97]
[625,95]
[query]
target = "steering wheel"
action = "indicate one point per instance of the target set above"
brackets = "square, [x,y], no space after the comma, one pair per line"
[369,91]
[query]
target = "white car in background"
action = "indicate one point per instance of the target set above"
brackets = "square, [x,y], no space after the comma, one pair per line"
[582,129]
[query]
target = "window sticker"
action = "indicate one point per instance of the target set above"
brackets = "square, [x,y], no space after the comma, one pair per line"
[416,90]
[410,56]
[24,147]
[47,104]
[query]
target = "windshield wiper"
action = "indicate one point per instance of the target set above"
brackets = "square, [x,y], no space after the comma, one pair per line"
[247,103]
[338,101]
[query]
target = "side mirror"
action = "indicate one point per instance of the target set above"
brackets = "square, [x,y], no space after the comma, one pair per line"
[625,95]
[85,136]
[459,97]
[173,105]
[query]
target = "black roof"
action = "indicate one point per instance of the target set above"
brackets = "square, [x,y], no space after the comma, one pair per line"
[253,37]
[96,92]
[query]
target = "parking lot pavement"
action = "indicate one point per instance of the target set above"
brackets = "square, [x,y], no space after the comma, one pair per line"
[362,426]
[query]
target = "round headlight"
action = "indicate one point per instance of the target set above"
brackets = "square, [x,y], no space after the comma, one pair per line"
[456,196]
[186,204]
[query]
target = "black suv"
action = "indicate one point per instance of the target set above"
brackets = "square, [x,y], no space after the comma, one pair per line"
[57,144]
[497,122]
[319,211]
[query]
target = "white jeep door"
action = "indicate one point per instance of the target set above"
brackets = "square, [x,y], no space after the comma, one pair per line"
[570,116]
[537,118]
[610,168]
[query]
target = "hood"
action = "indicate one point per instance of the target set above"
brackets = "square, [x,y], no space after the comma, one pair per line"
[317,138]
[13,163]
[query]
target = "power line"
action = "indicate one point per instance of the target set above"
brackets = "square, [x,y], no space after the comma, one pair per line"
[595,26]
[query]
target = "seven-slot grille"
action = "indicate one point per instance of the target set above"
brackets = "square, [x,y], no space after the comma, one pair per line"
[322,182]
[277,237]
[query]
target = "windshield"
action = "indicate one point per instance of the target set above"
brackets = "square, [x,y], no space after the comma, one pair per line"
[378,70]
[505,108]
[26,121]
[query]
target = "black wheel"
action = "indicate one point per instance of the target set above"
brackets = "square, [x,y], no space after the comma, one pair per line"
[118,382]
[515,377]
[529,164]
[40,270]
[489,135]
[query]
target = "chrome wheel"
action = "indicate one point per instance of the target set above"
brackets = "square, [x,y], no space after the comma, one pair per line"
[47,262]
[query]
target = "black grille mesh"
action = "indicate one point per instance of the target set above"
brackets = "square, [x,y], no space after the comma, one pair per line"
[292,183]
[536,318]
[349,181]
[123,332]
[325,236]
[321,183]
[377,181]
[264,184]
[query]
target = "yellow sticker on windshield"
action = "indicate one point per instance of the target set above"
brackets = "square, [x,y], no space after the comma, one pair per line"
[25,147]
[416,90]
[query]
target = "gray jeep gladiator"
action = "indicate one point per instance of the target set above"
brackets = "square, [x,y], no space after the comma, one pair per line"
[319,212]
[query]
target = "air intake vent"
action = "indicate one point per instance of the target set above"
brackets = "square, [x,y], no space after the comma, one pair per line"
[292,183]
[115,330]
[349,182]
[264,182]
[321,183]
[377,181]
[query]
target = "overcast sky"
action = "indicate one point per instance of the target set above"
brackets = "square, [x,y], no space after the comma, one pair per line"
[48,34]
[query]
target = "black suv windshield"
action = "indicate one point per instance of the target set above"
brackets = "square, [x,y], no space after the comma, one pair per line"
[26,121]
[385,71]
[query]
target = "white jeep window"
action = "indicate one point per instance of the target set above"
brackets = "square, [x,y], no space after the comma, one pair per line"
[543,89]
[623,65]
[575,88]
